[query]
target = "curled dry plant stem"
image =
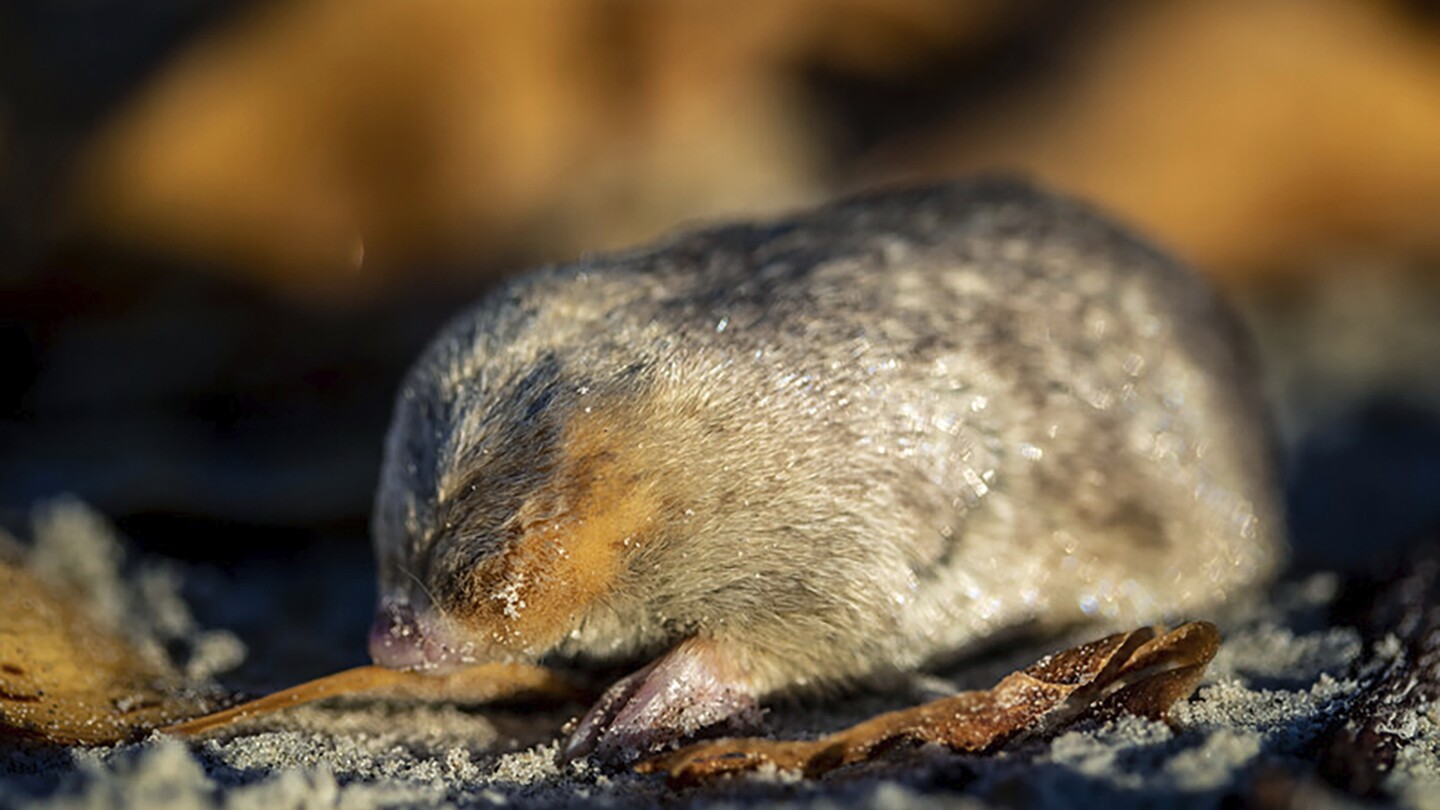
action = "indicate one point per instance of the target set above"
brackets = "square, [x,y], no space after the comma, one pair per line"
[1142,672]
[478,684]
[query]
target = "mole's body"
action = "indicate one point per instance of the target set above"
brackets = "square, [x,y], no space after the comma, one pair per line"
[807,452]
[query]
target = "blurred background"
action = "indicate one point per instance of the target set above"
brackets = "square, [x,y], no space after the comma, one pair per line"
[226,226]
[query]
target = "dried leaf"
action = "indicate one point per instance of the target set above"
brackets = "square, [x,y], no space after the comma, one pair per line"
[1139,672]
[66,680]
[478,684]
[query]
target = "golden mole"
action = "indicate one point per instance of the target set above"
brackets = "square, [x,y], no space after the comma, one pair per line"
[796,455]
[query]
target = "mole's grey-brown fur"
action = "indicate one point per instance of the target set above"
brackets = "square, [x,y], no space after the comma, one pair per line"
[814,450]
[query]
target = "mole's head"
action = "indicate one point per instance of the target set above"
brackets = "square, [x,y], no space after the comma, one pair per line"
[500,524]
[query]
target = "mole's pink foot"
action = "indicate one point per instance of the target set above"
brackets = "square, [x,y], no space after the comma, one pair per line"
[690,689]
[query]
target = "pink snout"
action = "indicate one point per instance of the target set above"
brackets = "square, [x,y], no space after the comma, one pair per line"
[402,638]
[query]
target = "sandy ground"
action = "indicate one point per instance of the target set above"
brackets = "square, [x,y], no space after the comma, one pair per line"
[1281,679]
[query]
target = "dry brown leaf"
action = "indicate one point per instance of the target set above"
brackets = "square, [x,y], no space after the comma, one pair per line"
[478,684]
[65,680]
[1138,672]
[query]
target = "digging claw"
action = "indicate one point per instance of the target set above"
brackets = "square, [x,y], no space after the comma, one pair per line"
[692,689]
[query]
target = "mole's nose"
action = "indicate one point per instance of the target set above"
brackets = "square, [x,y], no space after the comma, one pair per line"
[403,638]
[395,637]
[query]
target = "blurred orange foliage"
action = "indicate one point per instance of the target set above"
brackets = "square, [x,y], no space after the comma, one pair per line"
[319,144]
[1254,136]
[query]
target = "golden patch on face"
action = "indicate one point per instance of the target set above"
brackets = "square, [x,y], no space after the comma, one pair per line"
[574,533]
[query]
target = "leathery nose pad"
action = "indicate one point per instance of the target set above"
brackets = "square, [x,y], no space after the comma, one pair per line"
[403,638]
